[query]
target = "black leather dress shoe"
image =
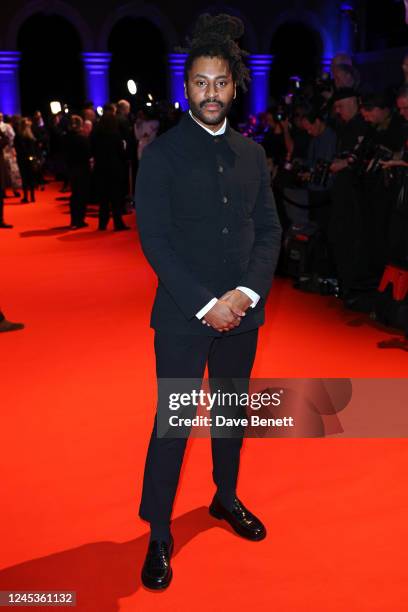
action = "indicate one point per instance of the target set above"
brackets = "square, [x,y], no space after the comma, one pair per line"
[156,572]
[6,326]
[240,518]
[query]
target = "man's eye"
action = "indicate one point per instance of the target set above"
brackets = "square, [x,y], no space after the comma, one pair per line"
[222,83]
[200,83]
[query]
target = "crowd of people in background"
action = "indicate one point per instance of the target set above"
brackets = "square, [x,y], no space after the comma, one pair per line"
[95,156]
[337,150]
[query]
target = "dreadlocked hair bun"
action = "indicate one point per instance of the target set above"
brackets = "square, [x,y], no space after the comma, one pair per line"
[215,35]
[217,28]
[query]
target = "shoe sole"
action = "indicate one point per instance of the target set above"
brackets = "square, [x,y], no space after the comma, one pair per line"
[220,517]
[160,587]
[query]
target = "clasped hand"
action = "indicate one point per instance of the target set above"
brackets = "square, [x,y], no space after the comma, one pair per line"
[227,313]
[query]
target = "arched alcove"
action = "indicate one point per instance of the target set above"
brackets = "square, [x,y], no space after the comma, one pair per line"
[51,66]
[56,7]
[138,10]
[139,52]
[297,49]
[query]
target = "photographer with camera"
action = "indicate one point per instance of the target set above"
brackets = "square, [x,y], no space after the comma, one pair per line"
[290,190]
[322,149]
[397,171]
[279,146]
[277,140]
[345,222]
[384,141]
[376,109]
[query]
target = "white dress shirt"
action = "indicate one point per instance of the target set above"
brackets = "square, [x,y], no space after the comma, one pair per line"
[249,292]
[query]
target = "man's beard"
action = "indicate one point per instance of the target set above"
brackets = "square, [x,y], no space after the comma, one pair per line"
[212,118]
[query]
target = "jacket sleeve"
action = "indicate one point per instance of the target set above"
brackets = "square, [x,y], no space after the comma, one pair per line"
[153,209]
[268,234]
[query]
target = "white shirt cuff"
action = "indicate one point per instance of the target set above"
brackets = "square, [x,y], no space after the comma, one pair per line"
[251,294]
[206,308]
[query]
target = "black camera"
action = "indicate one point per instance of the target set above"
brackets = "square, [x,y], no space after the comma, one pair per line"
[380,154]
[290,174]
[321,173]
[280,115]
[367,156]
[359,158]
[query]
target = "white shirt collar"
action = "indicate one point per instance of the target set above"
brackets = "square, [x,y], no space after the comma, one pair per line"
[217,133]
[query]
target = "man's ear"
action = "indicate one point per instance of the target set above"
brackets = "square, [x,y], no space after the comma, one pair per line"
[185,90]
[235,92]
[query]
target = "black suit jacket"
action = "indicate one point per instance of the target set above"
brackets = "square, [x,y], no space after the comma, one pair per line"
[207,221]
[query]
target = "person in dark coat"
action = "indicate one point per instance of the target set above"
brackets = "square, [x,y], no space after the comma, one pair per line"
[126,121]
[386,134]
[4,141]
[209,228]
[345,218]
[109,153]
[77,156]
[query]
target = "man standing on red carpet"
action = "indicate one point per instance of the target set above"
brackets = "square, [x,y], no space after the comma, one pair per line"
[209,229]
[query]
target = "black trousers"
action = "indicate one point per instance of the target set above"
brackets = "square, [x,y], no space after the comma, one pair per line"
[345,230]
[320,213]
[80,181]
[185,356]
[111,196]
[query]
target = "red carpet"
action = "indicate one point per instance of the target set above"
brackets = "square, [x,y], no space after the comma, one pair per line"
[78,394]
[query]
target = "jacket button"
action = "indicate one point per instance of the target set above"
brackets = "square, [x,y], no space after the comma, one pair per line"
[225,230]
[225,200]
[220,169]
[216,140]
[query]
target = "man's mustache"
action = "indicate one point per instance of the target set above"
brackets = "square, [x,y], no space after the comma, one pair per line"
[220,104]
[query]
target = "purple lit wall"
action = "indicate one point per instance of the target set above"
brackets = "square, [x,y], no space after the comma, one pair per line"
[325,63]
[96,70]
[176,66]
[9,83]
[347,28]
[259,66]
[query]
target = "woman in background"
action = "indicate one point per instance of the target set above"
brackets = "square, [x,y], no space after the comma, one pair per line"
[27,158]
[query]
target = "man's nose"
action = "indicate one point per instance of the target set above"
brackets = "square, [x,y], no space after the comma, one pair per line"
[211,90]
